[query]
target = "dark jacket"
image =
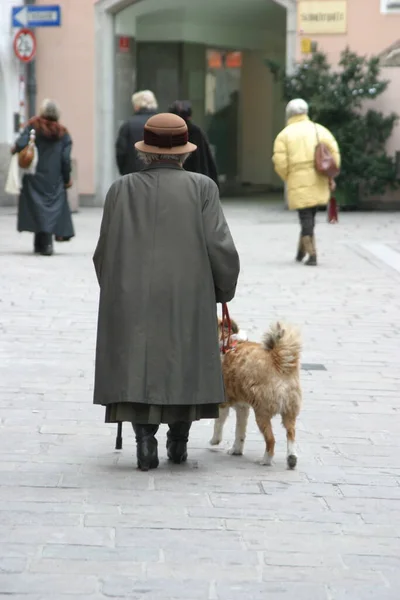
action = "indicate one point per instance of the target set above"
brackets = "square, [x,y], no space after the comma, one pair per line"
[131,132]
[202,160]
[43,205]
[165,256]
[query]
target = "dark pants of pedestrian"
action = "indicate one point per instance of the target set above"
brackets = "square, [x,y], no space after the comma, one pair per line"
[307,221]
[307,240]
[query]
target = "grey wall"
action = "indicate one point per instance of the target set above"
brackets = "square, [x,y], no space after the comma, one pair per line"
[194,79]
[159,68]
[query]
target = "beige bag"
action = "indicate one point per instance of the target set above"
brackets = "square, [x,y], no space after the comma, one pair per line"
[13,181]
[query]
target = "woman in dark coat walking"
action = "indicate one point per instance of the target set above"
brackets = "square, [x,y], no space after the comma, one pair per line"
[164,258]
[43,206]
[202,160]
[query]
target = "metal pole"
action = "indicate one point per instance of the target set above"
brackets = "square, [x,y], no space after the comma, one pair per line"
[31,87]
[22,104]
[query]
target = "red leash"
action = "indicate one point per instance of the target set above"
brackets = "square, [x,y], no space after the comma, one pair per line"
[226,323]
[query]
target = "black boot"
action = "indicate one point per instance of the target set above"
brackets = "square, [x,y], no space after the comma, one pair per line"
[47,245]
[38,242]
[177,439]
[146,446]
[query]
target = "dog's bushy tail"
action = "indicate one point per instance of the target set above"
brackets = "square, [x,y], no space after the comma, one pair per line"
[283,342]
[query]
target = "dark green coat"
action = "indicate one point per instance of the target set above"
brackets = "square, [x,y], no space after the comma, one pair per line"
[43,205]
[164,258]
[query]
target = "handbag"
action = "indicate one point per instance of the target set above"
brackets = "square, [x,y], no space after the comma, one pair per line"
[13,181]
[323,159]
[16,172]
[26,156]
[333,211]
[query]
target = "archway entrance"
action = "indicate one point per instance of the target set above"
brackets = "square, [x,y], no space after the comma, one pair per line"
[212,53]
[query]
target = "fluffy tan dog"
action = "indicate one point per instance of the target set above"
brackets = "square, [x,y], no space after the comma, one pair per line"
[265,377]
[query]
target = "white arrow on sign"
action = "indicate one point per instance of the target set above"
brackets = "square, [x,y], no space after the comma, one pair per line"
[24,16]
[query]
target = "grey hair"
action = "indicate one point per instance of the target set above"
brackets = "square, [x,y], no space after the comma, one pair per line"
[49,110]
[296,107]
[149,158]
[144,99]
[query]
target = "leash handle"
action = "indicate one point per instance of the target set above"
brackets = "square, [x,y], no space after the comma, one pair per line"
[226,322]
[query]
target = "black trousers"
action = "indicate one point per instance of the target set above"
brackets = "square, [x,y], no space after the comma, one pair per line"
[307,221]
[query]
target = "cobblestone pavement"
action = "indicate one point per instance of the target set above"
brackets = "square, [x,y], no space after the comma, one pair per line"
[77,519]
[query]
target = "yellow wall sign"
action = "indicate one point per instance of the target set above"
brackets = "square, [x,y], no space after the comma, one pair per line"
[306,46]
[322,16]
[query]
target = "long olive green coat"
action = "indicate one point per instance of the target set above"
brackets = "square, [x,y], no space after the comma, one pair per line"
[164,258]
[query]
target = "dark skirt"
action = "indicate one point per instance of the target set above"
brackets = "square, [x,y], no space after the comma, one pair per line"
[155,414]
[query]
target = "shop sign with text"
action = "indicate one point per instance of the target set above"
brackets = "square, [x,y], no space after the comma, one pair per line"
[320,17]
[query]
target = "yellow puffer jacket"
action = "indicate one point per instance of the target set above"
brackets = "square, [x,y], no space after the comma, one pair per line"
[293,158]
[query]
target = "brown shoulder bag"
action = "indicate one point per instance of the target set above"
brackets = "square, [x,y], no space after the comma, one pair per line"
[324,161]
[27,154]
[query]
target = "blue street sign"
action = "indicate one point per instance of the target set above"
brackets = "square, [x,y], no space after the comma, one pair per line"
[32,15]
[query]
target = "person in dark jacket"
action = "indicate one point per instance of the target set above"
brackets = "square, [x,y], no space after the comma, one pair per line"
[144,106]
[202,160]
[164,258]
[43,206]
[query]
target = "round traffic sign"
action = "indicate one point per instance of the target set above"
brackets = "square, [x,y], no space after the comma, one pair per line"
[25,45]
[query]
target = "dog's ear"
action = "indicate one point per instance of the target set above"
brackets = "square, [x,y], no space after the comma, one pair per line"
[234,326]
[280,330]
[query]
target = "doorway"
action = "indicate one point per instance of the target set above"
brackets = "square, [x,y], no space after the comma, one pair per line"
[222,98]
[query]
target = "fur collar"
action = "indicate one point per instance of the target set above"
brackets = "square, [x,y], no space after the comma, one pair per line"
[46,128]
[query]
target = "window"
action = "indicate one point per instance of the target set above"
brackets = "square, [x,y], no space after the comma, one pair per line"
[390,6]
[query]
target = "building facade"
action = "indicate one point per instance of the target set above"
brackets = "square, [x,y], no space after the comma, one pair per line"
[10,72]
[368,27]
[212,52]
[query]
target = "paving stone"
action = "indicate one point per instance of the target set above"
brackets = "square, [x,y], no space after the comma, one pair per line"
[278,591]
[323,575]
[12,565]
[162,589]
[277,528]
[361,592]
[157,522]
[47,534]
[38,584]
[201,572]
[50,508]
[378,492]
[294,560]
[18,518]
[385,546]
[100,554]
[64,566]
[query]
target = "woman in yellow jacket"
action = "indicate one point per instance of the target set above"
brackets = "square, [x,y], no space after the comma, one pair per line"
[294,152]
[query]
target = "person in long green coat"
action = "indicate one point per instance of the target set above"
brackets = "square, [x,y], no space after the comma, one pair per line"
[164,259]
[43,205]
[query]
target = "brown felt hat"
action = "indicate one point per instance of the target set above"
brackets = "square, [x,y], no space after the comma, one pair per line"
[165,133]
